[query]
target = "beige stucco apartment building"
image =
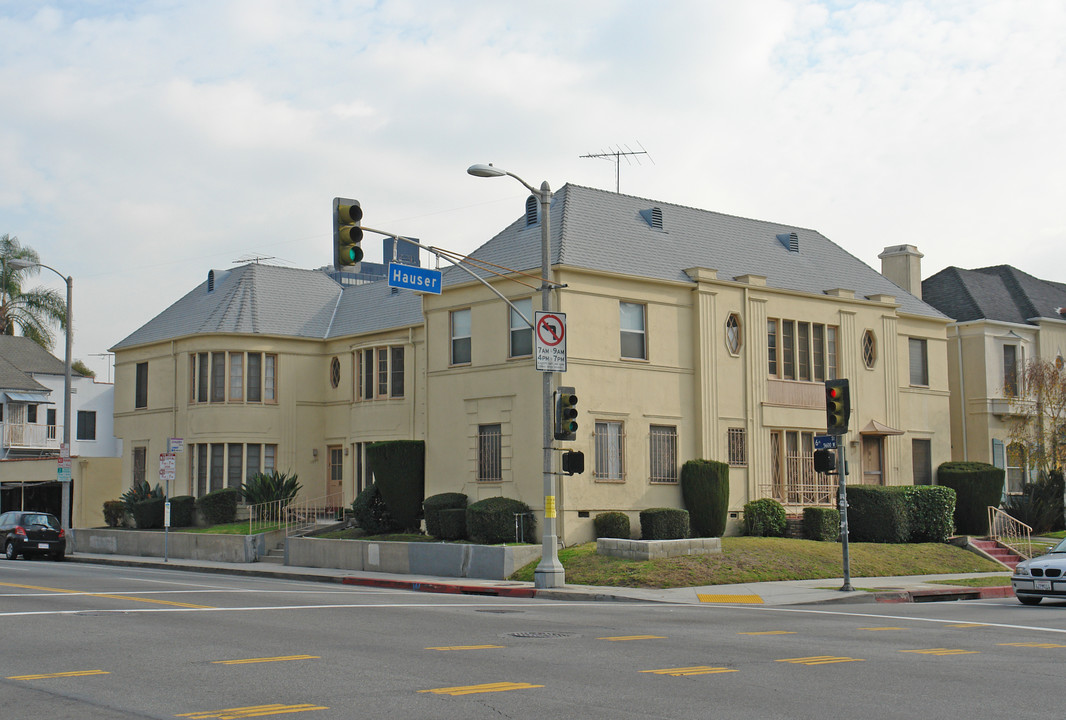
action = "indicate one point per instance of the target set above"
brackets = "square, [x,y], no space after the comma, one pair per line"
[690,334]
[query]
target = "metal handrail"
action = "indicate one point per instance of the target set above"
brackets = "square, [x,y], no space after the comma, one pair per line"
[293,516]
[1010,532]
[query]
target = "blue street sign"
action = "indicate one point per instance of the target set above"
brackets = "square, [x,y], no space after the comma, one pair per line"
[414,278]
[825,442]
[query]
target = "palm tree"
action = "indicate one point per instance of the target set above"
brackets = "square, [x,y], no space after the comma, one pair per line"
[35,312]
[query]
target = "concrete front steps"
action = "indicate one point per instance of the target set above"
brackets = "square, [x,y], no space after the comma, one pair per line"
[998,552]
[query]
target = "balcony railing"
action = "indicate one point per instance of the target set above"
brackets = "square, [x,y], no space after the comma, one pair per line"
[31,436]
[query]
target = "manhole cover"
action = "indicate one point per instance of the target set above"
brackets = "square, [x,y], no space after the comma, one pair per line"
[539,634]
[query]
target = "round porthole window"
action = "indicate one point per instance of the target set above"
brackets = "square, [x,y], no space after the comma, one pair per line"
[732,334]
[335,372]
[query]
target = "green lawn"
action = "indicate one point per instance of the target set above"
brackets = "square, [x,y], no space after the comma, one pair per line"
[756,559]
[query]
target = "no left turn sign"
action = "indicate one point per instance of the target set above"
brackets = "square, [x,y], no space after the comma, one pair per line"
[550,331]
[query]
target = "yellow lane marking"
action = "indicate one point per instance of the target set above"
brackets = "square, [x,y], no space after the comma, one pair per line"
[942,651]
[769,632]
[820,660]
[1034,645]
[105,595]
[966,625]
[486,688]
[882,628]
[74,673]
[252,711]
[739,599]
[468,647]
[623,638]
[282,658]
[694,670]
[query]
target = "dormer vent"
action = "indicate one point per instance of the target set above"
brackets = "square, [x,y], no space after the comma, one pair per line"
[654,218]
[790,240]
[210,281]
[531,210]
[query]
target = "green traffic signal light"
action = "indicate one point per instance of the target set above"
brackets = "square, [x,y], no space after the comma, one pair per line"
[347,234]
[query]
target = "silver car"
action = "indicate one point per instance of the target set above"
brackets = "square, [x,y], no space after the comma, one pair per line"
[1041,577]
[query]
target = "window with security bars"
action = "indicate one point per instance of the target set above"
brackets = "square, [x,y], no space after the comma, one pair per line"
[610,451]
[490,453]
[793,479]
[663,453]
[738,447]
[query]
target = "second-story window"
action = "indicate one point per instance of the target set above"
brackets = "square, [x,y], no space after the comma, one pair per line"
[380,373]
[521,332]
[1010,370]
[140,398]
[232,377]
[633,335]
[802,351]
[460,331]
[919,361]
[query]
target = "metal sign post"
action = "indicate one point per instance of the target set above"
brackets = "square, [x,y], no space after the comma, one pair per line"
[842,506]
[167,468]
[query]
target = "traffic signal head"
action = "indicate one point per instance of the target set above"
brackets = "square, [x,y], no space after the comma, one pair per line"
[837,406]
[573,462]
[347,214]
[565,414]
[825,461]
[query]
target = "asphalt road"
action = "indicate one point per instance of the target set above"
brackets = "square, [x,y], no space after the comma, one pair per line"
[91,642]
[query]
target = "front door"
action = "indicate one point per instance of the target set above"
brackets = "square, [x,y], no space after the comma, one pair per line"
[872,465]
[335,479]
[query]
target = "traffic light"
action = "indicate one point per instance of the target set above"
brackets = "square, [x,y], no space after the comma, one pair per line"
[573,462]
[837,406]
[347,234]
[825,461]
[565,414]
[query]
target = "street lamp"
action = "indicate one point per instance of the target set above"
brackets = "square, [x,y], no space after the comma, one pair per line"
[549,572]
[19,264]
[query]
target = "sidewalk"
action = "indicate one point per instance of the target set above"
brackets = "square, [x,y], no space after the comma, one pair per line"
[913,588]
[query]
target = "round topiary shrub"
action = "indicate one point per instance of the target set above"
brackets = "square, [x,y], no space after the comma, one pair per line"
[435,504]
[664,524]
[765,518]
[452,524]
[219,507]
[612,525]
[148,514]
[977,486]
[371,513]
[493,520]
[182,510]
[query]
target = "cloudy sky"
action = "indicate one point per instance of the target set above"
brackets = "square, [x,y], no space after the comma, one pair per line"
[144,143]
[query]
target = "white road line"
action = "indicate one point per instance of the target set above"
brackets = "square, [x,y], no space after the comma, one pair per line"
[544,604]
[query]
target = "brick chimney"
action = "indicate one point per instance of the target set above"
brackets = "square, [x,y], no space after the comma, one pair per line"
[902,264]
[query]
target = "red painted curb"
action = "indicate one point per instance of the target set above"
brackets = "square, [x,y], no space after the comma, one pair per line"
[447,588]
[947,594]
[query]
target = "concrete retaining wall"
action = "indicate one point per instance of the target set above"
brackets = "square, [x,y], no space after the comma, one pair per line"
[652,549]
[488,562]
[180,545]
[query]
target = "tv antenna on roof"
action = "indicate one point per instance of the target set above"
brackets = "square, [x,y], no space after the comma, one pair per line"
[616,156]
[251,258]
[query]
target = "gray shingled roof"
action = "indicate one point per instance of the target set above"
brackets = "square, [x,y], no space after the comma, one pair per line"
[606,231]
[1000,292]
[271,300]
[29,357]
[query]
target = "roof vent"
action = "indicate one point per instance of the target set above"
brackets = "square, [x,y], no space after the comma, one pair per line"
[654,217]
[210,281]
[531,210]
[790,241]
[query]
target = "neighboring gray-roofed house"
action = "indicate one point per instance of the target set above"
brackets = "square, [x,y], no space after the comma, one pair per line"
[1000,292]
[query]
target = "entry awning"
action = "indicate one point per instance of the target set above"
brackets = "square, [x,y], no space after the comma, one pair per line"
[876,428]
[25,397]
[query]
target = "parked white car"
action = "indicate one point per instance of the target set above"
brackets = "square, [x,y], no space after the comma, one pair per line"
[1042,577]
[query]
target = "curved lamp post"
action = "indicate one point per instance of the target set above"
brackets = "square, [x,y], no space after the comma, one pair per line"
[18,264]
[549,572]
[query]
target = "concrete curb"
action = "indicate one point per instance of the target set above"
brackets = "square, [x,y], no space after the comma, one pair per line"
[945,595]
[442,587]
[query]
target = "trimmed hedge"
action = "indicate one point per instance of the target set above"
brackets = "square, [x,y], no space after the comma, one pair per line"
[705,491]
[148,513]
[932,509]
[977,487]
[878,514]
[114,512]
[492,521]
[664,524]
[219,506]
[371,513]
[399,468]
[182,511]
[612,525]
[821,523]
[435,504]
[452,524]
[765,518]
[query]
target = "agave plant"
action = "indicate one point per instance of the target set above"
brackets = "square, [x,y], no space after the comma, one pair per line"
[141,491]
[270,487]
